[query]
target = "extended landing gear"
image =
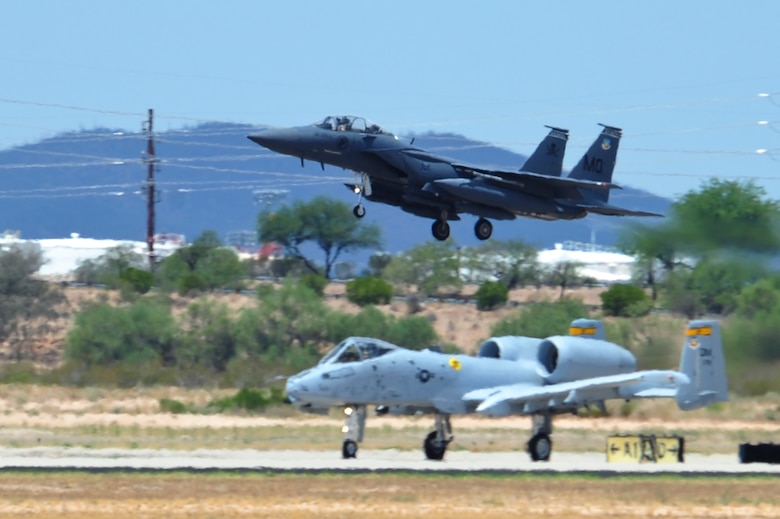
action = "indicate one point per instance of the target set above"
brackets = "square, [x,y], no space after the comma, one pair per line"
[435,444]
[441,230]
[483,229]
[354,426]
[540,444]
[361,187]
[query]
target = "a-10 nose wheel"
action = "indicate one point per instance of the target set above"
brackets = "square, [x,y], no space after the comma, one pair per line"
[359,211]
[483,229]
[440,230]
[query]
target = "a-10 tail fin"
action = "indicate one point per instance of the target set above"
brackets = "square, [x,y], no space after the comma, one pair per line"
[703,362]
[587,328]
[547,159]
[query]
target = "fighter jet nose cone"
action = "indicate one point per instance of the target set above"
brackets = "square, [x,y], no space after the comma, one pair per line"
[281,139]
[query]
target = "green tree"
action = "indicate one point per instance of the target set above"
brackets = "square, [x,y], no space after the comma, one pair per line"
[718,282]
[108,268]
[761,297]
[28,306]
[722,233]
[731,215]
[328,224]
[564,274]
[203,265]
[432,266]
[513,262]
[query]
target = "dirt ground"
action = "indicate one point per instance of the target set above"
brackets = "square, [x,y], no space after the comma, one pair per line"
[118,496]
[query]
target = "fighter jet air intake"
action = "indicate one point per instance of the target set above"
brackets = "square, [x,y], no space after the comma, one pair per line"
[392,172]
[510,376]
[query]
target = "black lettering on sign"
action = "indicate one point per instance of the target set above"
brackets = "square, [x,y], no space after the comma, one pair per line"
[594,164]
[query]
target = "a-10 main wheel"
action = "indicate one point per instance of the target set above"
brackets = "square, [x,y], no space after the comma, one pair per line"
[434,449]
[349,449]
[540,447]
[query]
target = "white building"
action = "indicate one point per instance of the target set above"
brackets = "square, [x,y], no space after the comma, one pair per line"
[603,264]
[63,255]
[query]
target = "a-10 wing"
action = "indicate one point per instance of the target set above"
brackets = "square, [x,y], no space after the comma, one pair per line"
[524,399]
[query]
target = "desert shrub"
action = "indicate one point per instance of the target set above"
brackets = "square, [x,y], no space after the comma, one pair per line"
[541,319]
[249,399]
[315,282]
[624,300]
[369,290]
[491,295]
[169,405]
[413,332]
[190,283]
[136,280]
[137,333]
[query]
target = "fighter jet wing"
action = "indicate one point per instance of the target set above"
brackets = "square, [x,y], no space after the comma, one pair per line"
[521,178]
[640,384]
[611,210]
[491,400]
[513,177]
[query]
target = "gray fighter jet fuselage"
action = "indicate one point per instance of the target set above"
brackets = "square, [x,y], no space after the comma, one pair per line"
[393,172]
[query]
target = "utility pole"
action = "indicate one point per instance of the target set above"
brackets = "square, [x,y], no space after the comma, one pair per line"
[151,199]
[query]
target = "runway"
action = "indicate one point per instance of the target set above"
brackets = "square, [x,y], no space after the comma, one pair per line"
[77,458]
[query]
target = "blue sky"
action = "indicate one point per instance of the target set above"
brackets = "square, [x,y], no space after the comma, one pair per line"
[681,78]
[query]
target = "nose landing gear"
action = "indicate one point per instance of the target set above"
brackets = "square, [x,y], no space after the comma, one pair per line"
[362,187]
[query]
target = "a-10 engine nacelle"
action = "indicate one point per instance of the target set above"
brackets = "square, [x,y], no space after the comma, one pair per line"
[562,358]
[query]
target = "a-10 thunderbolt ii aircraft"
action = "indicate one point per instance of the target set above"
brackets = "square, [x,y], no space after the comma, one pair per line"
[510,376]
[393,172]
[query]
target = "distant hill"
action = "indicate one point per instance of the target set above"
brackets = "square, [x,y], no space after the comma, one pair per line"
[212,177]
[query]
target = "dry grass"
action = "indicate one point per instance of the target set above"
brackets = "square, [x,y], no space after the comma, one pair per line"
[103,418]
[93,496]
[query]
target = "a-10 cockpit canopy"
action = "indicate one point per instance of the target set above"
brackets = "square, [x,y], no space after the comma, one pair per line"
[350,123]
[355,349]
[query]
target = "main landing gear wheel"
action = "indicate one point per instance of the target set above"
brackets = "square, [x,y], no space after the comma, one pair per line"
[483,229]
[349,449]
[440,230]
[359,211]
[540,447]
[433,447]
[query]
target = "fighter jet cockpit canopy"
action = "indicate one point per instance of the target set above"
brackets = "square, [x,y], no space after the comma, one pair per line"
[350,123]
[356,349]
